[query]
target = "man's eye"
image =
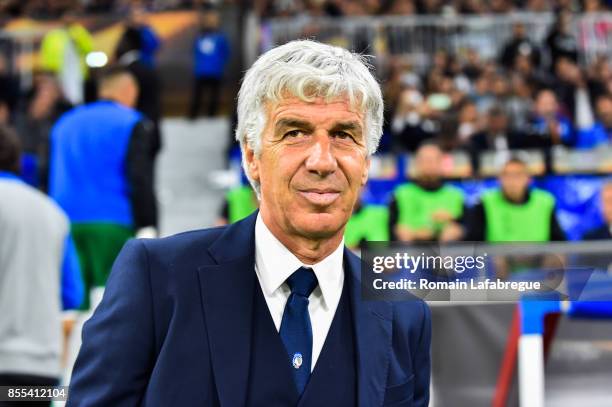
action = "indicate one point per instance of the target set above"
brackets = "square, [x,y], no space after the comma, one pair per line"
[342,135]
[293,133]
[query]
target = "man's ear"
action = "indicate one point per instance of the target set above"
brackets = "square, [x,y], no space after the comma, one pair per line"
[366,171]
[252,163]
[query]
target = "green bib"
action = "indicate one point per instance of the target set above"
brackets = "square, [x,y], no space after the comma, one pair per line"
[241,203]
[371,223]
[508,222]
[416,205]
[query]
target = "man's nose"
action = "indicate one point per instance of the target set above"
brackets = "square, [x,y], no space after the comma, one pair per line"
[321,159]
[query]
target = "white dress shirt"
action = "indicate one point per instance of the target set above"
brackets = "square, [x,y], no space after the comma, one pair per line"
[274,263]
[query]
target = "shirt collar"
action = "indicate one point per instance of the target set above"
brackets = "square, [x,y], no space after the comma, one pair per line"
[275,263]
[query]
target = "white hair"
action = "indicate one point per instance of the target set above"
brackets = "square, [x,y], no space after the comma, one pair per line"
[306,69]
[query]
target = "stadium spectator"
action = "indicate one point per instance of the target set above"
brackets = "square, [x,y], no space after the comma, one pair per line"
[514,212]
[411,125]
[519,44]
[561,42]
[482,96]
[537,78]
[39,276]
[129,54]
[495,136]
[63,51]
[426,209]
[211,54]
[148,40]
[605,230]
[548,126]
[102,174]
[577,93]
[593,6]
[600,133]
[469,122]
[519,104]
[473,65]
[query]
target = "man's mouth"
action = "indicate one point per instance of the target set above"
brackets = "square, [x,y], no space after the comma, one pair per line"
[320,197]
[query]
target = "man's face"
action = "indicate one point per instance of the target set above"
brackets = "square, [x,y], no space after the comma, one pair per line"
[546,104]
[518,30]
[429,163]
[514,180]
[312,165]
[498,123]
[604,111]
[606,202]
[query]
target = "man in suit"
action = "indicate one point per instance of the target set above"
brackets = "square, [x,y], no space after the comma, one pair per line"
[266,311]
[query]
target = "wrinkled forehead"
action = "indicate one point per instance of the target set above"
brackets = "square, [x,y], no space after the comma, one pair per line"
[332,105]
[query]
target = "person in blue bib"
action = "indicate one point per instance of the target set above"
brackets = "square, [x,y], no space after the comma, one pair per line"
[101,174]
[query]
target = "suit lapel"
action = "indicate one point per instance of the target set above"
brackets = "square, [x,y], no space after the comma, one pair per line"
[373,330]
[227,301]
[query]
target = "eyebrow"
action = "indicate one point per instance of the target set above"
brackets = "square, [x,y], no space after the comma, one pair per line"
[347,126]
[296,123]
[352,125]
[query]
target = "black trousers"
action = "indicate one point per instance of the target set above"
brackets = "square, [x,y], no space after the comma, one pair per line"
[26,380]
[209,87]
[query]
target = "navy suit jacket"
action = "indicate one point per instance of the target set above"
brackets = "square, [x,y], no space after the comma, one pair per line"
[174,329]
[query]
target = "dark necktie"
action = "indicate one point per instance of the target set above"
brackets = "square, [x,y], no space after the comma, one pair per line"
[296,330]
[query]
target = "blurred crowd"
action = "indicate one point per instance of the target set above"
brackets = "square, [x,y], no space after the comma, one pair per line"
[337,8]
[532,95]
[49,9]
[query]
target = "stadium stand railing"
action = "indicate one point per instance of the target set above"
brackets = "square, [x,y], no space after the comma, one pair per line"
[419,37]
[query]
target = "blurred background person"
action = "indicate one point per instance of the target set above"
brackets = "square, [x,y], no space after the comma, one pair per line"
[561,41]
[133,53]
[39,277]
[548,126]
[514,212]
[102,174]
[211,51]
[63,51]
[495,136]
[519,44]
[148,41]
[37,113]
[601,134]
[427,209]
[410,126]
[605,230]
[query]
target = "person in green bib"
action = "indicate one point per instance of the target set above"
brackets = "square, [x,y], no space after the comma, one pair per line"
[239,203]
[427,209]
[515,212]
[368,223]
